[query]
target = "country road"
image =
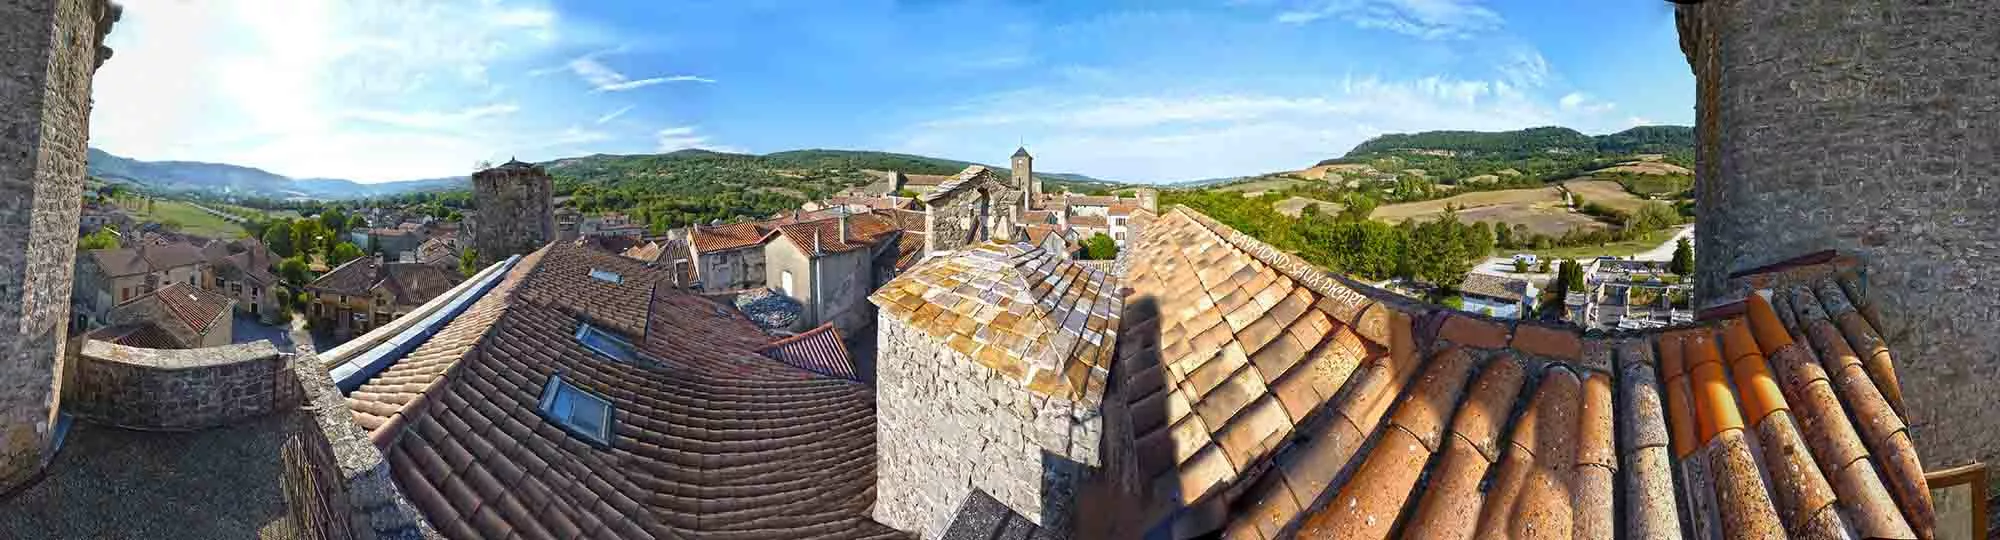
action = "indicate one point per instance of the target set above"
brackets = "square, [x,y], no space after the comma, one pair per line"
[1504,266]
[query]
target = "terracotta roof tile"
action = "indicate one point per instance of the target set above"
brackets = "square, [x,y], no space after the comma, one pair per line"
[712,238]
[192,307]
[709,439]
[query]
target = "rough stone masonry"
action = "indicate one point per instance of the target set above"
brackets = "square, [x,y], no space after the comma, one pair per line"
[1883,142]
[48,52]
[946,424]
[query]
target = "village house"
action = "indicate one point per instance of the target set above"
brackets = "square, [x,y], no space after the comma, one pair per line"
[610,224]
[367,292]
[105,278]
[1496,296]
[176,316]
[241,269]
[831,266]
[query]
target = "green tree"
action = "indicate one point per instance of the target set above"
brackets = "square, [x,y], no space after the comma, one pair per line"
[468,262]
[294,271]
[306,237]
[333,220]
[278,236]
[356,221]
[1572,275]
[1520,265]
[343,252]
[1100,248]
[1683,261]
[104,238]
[1543,267]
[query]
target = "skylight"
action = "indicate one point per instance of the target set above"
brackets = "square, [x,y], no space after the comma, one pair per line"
[581,413]
[606,344]
[606,275]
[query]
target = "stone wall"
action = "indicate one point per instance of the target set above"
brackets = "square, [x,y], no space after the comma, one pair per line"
[946,425]
[177,389]
[516,213]
[48,52]
[336,482]
[1883,143]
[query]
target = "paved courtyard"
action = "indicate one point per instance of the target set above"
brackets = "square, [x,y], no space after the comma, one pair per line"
[246,328]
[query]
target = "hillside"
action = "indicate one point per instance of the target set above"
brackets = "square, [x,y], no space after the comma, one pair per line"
[226,179]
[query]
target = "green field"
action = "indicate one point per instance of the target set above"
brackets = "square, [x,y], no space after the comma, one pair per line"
[1615,249]
[191,220]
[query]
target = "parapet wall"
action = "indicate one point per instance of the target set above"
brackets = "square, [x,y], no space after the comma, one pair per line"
[336,482]
[178,389]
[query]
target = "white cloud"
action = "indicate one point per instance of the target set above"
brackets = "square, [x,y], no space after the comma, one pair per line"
[686,137]
[1155,138]
[613,115]
[1585,103]
[1426,19]
[364,89]
[604,79]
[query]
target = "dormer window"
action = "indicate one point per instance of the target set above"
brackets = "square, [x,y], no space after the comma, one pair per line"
[576,411]
[606,344]
[606,276]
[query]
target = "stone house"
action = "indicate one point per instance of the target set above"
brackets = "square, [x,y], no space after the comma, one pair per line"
[728,257]
[368,292]
[107,277]
[1497,296]
[610,224]
[830,266]
[241,269]
[973,207]
[515,212]
[176,316]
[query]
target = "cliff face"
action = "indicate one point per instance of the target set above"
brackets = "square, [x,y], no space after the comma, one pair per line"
[1881,143]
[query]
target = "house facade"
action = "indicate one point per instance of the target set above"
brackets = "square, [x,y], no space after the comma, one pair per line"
[105,278]
[830,267]
[368,292]
[175,316]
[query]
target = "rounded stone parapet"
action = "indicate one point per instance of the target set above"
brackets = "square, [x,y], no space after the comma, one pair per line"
[177,389]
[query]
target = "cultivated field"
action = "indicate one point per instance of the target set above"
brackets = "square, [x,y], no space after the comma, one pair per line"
[1605,192]
[1267,184]
[1540,209]
[1296,205]
[191,220]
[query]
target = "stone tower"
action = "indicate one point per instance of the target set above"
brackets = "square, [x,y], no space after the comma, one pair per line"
[52,48]
[516,212]
[1024,176]
[1881,144]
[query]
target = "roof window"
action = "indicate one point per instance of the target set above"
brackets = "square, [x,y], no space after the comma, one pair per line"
[606,344]
[606,276]
[576,411]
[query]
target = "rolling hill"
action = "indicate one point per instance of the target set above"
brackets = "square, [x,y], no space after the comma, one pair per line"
[222,178]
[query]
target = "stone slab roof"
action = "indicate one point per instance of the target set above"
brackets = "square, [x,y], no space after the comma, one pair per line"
[1032,315]
[1494,286]
[969,176]
[1267,398]
[708,440]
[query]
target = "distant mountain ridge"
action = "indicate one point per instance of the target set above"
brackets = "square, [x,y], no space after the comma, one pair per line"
[220,178]
[1524,143]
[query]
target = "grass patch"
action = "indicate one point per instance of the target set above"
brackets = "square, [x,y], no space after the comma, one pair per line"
[191,220]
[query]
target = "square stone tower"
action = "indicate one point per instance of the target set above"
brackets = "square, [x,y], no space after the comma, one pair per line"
[516,212]
[48,52]
[1024,176]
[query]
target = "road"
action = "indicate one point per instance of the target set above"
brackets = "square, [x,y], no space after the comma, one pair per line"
[224,215]
[1504,266]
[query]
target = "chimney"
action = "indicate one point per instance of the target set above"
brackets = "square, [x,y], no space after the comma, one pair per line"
[816,250]
[843,225]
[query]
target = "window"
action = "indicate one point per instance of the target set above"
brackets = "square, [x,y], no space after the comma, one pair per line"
[256,292]
[124,294]
[218,282]
[581,413]
[606,344]
[785,285]
[236,290]
[606,276]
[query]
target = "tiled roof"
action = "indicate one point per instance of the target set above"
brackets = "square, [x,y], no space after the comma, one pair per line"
[708,438]
[1268,398]
[908,220]
[1090,200]
[1034,217]
[119,262]
[648,252]
[1091,222]
[1032,315]
[412,283]
[144,335]
[249,268]
[910,249]
[818,350]
[193,306]
[863,230]
[610,243]
[1125,209]
[1494,286]
[709,239]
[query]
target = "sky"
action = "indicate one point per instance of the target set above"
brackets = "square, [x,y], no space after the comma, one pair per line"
[1136,91]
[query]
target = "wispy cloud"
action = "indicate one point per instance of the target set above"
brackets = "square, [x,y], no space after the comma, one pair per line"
[1426,19]
[686,137]
[1584,103]
[604,79]
[435,119]
[613,115]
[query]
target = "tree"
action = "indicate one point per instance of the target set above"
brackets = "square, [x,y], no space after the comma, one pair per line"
[1683,261]
[356,221]
[1520,265]
[293,271]
[306,237]
[1543,267]
[1100,248]
[278,237]
[104,238]
[1571,275]
[343,252]
[468,262]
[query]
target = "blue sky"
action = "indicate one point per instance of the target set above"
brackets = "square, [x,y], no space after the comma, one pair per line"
[377,90]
